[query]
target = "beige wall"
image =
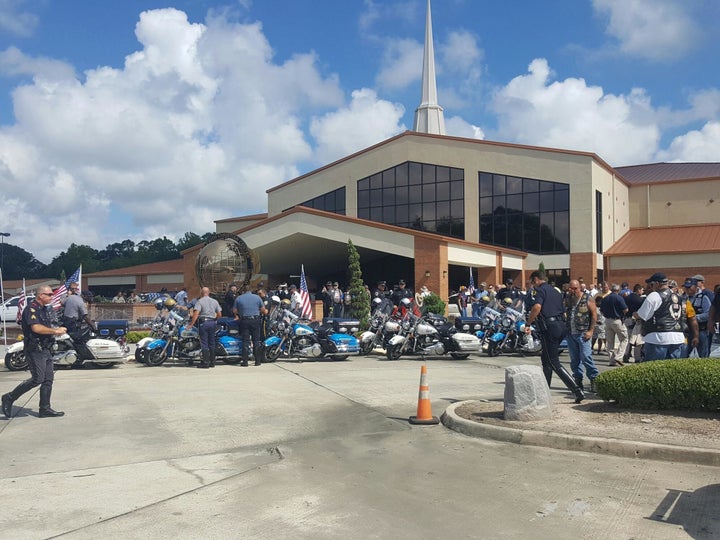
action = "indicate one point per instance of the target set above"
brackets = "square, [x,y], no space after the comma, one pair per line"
[689,203]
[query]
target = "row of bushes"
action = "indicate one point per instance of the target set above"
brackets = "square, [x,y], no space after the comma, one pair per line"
[687,384]
[136,335]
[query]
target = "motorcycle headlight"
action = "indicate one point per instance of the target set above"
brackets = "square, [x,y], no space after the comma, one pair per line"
[465,327]
[406,325]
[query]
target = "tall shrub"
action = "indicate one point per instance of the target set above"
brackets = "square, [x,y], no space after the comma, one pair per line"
[360,299]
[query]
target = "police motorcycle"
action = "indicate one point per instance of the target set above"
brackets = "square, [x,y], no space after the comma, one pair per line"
[509,335]
[382,326]
[489,318]
[293,337]
[73,349]
[419,335]
[176,339]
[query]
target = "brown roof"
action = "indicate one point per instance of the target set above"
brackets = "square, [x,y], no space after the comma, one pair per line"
[653,173]
[243,218]
[677,239]
[163,267]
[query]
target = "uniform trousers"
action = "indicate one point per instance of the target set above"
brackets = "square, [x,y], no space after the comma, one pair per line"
[42,374]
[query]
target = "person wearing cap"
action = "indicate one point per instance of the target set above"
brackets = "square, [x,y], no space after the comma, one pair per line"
[295,300]
[701,303]
[614,308]
[508,291]
[549,316]
[477,305]
[380,291]
[229,301]
[327,299]
[701,286]
[665,316]
[401,292]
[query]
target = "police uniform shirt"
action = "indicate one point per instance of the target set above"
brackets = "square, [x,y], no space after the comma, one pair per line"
[208,307]
[75,307]
[248,305]
[550,299]
[36,313]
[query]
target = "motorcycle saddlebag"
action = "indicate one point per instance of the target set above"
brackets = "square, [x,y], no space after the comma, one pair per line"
[468,324]
[112,328]
[436,320]
[342,326]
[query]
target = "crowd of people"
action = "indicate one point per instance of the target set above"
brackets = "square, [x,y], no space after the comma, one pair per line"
[655,321]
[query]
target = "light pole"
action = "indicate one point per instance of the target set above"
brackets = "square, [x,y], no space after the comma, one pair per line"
[2,288]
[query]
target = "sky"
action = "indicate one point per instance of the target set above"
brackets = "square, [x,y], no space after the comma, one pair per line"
[141,119]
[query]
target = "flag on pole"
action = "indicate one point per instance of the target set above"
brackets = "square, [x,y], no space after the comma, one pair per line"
[21,303]
[62,290]
[471,286]
[305,304]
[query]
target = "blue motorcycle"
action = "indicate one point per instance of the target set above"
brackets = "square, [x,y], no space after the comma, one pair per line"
[177,340]
[293,337]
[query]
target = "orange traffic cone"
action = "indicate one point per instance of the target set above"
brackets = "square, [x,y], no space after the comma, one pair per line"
[424,409]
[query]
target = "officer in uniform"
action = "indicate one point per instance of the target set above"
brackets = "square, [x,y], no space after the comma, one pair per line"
[547,313]
[248,309]
[402,292]
[381,290]
[38,331]
[75,310]
[206,310]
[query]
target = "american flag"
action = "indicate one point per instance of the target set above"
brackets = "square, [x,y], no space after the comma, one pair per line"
[62,290]
[21,304]
[304,296]
[471,286]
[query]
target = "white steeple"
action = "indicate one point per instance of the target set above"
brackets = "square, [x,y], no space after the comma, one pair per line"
[429,115]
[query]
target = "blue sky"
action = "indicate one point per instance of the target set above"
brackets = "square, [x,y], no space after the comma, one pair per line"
[146,118]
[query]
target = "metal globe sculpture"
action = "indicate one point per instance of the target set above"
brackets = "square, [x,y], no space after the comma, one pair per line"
[224,260]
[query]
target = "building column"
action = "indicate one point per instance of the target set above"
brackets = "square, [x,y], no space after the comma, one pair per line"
[584,265]
[431,266]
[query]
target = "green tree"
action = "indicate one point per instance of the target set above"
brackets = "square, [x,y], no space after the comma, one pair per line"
[160,249]
[18,263]
[69,260]
[190,239]
[360,299]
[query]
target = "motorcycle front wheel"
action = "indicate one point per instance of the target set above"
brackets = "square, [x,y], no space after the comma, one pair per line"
[366,348]
[272,353]
[459,356]
[154,357]
[393,352]
[16,361]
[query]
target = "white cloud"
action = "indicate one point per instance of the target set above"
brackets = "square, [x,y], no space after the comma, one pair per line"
[366,121]
[697,145]
[458,127]
[196,125]
[402,62]
[654,29]
[16,20]
[572,115]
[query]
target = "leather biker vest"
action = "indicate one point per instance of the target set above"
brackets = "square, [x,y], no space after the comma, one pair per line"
[578,315]
[670,316]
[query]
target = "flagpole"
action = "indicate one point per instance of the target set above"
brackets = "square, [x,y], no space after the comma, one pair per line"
[2,295]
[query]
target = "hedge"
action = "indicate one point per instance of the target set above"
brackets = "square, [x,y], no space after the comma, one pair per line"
[686,384]
[136,335]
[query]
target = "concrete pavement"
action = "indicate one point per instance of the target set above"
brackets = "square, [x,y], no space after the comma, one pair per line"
[315,450]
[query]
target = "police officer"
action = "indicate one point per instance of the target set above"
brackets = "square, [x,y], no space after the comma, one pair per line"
[380,291]
[401,292]
[547,313]
[38,331]
[75,310]
[206,310]
[248,309]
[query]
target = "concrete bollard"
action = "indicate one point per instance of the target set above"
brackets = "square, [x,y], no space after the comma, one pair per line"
[527,396]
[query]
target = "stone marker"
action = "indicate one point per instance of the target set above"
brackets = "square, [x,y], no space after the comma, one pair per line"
[527,396]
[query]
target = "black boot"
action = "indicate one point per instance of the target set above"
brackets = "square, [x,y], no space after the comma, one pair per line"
[211,357]
[7,403]
[45,410]
[204,363]
[579,383]
[570,383]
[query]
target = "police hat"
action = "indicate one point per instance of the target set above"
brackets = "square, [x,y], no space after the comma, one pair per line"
[401,282]
[690,282]
[381,283]
[508,281]
[293,287]
[698,277]
[657,277]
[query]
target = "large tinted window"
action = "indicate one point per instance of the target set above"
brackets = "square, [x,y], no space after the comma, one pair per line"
[415,195]
[524,213]
[334,201]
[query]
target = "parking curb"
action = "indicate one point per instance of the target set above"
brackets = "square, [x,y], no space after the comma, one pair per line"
[580,443]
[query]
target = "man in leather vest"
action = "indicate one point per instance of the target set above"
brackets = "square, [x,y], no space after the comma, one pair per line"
[664,315]
[581,315]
